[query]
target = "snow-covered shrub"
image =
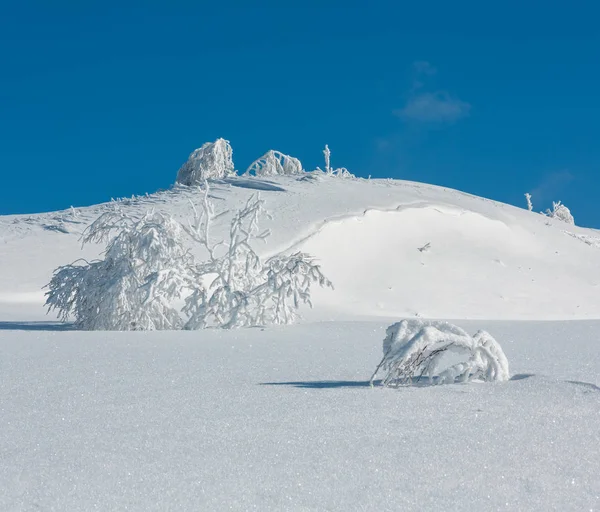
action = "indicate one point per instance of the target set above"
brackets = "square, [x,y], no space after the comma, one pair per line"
[214,160]
[145,268]
[441,352]
[275,163]
[560,212]
[244,291]
[529,203]
[341,172]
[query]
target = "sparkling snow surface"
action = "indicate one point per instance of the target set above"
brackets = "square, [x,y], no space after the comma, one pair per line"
[283,419]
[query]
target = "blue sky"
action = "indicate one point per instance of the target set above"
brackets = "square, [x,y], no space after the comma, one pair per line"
[101,100]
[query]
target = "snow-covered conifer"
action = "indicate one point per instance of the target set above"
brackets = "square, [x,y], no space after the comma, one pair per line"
[442,352]
[529,203]
[214,160]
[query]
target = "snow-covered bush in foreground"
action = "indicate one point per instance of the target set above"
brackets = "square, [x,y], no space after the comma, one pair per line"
[560,212]
[145,268]
[214,160]
[439,351]
[275,163]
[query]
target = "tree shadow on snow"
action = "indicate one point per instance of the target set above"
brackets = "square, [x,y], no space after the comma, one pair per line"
[36,326]
[335,384]
[323,384]
[254,184]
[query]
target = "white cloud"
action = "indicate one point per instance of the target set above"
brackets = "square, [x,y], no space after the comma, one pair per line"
[434,107]
[550,187]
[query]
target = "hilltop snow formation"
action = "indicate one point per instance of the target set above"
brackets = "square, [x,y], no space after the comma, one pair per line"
[391,248]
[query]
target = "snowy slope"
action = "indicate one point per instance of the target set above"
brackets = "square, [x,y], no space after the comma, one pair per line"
[485,259]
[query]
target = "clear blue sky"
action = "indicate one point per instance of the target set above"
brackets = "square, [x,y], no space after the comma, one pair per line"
[100,100]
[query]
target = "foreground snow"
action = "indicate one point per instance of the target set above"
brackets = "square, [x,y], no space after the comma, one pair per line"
[283,419]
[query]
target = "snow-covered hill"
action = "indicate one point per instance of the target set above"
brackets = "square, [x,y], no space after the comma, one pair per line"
[391,248]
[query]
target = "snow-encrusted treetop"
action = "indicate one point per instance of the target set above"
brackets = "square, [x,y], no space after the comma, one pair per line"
[214,160]
[275,163]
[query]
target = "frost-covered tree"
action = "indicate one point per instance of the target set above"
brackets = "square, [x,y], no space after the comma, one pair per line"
[340,172]
[214,160]
[275,163]
[145,268]
[442,352]
[529,203]
[242,290]
[560,212]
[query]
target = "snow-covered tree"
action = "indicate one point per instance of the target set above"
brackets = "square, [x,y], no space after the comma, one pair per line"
[340,172]
[529,203]
[560,212]
[214,160]
[243,290]
[275,163]
[442,352]
[145,268]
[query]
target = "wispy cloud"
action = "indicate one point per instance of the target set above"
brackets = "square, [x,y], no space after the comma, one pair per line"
[550,186]
[424,106]
[422,67]
[434,107]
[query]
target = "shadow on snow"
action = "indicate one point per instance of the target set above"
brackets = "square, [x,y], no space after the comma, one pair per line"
[35,326]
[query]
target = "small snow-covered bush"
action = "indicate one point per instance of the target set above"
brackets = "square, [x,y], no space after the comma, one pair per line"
[560,212]
[439,351]
[145,268]
[275,163]
[214,160]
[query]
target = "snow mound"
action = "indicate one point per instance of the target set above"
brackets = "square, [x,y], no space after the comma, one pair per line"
[445,262]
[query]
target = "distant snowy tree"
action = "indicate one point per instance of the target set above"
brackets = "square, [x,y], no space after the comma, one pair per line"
[145,268]
[560,212]
[341,172]
[275,163]
[243,291]
[214,160]
[529,203]
[441,352]
[327,154]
